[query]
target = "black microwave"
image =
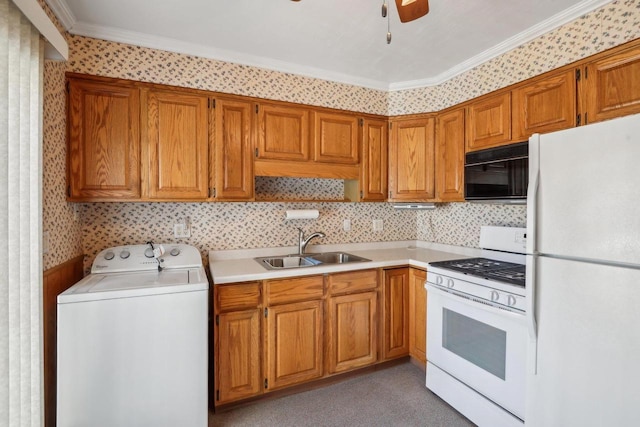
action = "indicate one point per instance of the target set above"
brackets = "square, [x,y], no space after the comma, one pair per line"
[497,174]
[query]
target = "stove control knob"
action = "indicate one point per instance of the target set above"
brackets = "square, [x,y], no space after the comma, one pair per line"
[511,300]
[148,253]
[450,283]
[125,254]
[495,296]
[175,252]
[439,280]
[109,255]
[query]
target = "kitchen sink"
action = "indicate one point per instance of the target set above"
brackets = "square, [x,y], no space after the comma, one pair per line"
[336,258]
[308,260]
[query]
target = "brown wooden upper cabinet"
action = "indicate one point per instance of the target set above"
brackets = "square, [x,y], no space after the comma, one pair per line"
[412,159]
[450,156]
[544,105]
[489,122]
[373,177]
[335,138]
[103,161]
[611,86]
[232,122]
[176,148]
[283,132]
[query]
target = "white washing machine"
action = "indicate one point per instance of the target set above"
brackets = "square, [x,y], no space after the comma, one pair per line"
[132,340]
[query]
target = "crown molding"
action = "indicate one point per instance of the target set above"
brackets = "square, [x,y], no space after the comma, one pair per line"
[519,39]
[173,45]
[61,9]
[67,18]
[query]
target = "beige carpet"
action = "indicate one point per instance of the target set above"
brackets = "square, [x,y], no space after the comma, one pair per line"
[391,397]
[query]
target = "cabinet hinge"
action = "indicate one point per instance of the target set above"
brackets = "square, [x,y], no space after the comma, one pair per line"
[68,191]
[217,394]
[256,151]
[578,120]
[266,312]
[586,118]
[266,383]
[390,125]
[586,73]
[217,320]
[361,194]
[361,122]
[213,192]
[578,74]
[389,194]
[257,107]
[213,103]
[67,87]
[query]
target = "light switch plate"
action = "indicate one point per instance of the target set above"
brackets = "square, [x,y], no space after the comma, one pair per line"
[181,231]
[377,225]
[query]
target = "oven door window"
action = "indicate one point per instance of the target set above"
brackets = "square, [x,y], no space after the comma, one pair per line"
[478,343]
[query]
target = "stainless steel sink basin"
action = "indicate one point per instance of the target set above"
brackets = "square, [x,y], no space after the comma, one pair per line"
[309,260]
[336,258]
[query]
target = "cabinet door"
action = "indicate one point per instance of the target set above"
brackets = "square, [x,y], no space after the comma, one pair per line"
[351,335]
[283,132]
[237,358]
[489,122]
[418,315]
[104,141]
[233,146]
[396,313]
[411,160]
[450,156]
[177,144]
[611,86]
[545,105]
[294,344]
[335,138]
[374,160]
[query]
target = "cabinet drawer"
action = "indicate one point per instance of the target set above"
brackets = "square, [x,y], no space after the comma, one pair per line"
[238,296]
[353,281]
[291,290]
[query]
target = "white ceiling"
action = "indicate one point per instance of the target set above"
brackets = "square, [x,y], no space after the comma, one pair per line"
[339,40]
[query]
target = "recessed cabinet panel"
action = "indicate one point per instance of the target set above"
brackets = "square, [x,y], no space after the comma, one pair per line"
[177,130]
[352,331]
[374,160]
[412,160]
[294,343]
[283,132]
[450,156]
[545,105]
[104,141]
[417,314]
[336,138]
[238,357]
[396,313]
[612,86]
[232,129]
[489,122]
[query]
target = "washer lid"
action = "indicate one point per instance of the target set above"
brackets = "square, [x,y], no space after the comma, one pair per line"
[126,285]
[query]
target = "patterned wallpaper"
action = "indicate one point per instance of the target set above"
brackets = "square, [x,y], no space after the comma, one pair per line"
[603,28]
[244,225]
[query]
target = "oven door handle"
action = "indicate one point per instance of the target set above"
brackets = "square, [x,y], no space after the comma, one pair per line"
[477,302]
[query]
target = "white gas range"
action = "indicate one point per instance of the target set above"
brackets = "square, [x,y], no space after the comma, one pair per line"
[476,330]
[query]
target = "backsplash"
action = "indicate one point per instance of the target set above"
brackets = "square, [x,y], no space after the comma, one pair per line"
[87,228]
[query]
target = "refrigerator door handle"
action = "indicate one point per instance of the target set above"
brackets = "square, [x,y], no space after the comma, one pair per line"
[532,192]
[532,326]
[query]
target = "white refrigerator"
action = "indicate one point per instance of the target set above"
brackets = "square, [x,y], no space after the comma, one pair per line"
[583,276]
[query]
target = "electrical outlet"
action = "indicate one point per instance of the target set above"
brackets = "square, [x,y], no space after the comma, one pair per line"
[521,237]
[377,225]
[181,230]
[346,225]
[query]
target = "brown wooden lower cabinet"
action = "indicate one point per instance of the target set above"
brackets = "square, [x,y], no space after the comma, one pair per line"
[395,313]
[417,315]
[273,334]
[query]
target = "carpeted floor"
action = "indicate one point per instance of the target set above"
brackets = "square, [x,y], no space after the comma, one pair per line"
[391,397]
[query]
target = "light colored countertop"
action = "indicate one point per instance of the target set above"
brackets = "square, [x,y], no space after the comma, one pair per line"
[240,266]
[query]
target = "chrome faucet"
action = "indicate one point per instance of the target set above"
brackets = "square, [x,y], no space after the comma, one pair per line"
[304,241]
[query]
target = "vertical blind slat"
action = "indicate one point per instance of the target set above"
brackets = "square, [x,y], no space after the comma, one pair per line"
[21,53]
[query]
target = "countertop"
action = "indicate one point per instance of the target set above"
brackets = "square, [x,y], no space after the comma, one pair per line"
[240,266]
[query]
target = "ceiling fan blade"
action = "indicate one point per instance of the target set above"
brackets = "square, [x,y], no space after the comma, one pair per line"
[409,10]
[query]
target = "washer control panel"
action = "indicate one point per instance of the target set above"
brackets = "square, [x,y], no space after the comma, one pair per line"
[149,256]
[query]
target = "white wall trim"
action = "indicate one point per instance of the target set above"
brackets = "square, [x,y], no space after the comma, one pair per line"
[526,36]
[33,11]
[61,9]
